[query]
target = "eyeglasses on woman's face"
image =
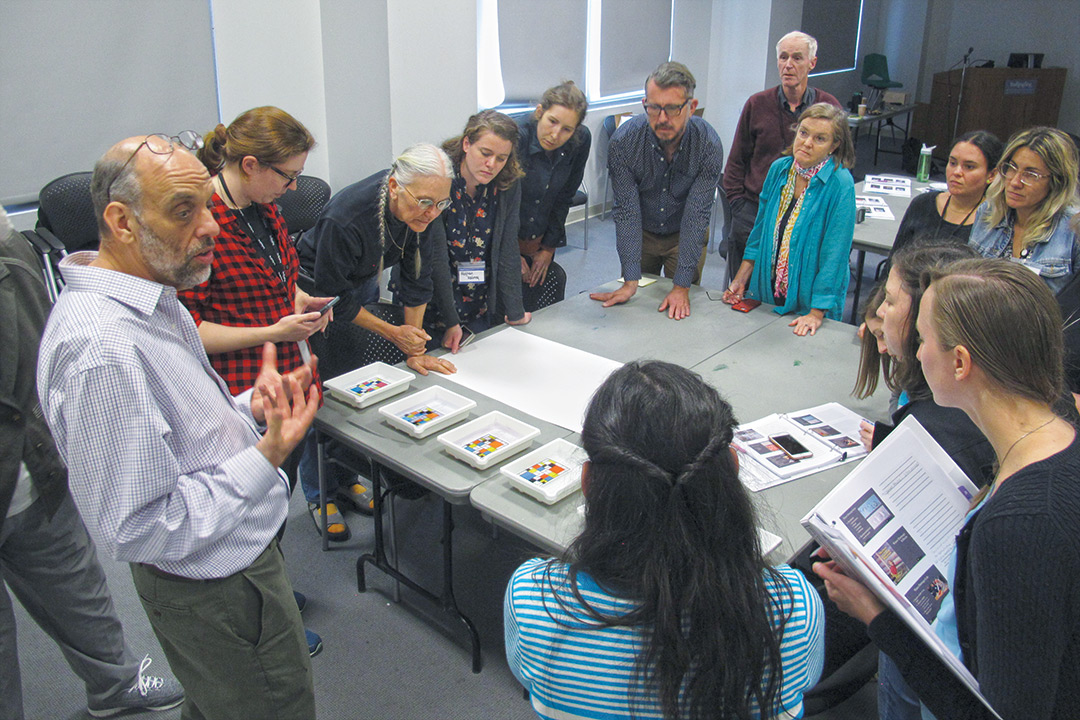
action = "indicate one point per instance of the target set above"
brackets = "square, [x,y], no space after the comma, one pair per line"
[289,179]
[428,203]
[1027,177]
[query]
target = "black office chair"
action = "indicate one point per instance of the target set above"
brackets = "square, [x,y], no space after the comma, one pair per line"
[850,657]
[65,224]
[66,211]
[49,255]
[301,209]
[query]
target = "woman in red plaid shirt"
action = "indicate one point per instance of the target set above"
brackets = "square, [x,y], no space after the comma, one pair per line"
[251,297]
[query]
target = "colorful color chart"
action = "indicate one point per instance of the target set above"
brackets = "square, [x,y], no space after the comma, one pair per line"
[484,445]
[543,472]
[421,415]
[369,386]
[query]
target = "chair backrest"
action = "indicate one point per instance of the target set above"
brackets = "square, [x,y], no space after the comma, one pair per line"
[608,127]
[302,207]
[875,66]
[66,209]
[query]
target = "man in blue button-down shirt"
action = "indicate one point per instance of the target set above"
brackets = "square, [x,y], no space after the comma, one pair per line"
[168,468]
[664,167]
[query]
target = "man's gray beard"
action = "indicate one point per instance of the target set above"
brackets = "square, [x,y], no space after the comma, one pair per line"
[158,256]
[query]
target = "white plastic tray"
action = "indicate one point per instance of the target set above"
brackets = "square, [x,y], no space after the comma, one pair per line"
[370,384]
[488,439]
[427,410]
[549,473]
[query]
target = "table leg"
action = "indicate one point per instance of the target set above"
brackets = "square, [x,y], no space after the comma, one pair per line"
[860,261]
[320,444]
[445,599]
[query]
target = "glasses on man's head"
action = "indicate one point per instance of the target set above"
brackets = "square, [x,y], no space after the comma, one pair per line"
[427,203]
[159,144]
[1027,177]
[284,175]
[653,109]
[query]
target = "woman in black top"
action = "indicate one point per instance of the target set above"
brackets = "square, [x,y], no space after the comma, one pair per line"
[899,311]
[387,220]
[991,346]
[553,148]
[949,214]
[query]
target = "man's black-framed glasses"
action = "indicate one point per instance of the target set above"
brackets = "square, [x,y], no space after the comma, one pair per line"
[284,175]
[653,109]
[428,203]
[159,144]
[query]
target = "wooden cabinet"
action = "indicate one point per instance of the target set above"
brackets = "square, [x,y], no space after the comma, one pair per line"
[1001,100]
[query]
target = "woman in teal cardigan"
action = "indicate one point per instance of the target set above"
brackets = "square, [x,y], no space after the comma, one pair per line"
[797,253]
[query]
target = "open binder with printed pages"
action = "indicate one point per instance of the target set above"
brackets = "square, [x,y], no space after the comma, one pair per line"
[892,524]
[830,432]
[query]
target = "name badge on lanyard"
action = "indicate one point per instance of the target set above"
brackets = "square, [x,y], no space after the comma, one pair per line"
[470,272]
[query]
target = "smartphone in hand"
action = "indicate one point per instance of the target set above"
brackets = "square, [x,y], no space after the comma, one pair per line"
[326,308]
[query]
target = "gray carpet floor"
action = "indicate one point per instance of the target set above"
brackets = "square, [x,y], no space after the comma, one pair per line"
[383,659]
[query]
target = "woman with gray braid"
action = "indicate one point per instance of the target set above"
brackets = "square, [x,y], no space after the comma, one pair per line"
[664,605]
[384,221]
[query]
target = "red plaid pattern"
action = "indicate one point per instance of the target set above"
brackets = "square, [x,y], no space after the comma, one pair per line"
[243,290]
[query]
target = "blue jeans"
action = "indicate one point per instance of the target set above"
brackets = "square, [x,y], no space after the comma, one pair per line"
[896,699]
[336,477]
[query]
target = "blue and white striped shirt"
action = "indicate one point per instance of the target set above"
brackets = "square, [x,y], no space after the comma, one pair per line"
[575,670]
[161,459]
[663,197]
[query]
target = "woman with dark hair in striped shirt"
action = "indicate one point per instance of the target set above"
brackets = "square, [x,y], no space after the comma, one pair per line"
[664,606]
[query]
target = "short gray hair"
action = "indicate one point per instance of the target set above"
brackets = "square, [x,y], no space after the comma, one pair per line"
[673,74]
[114,179]
[5,224]
[811,42]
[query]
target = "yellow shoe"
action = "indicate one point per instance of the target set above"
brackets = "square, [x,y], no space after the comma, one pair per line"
[336,529]
[358,496]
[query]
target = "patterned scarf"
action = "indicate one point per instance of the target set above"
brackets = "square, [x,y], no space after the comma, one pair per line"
[780,277]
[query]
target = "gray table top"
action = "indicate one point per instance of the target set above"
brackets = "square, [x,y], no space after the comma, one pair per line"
[878,235]
[621,333]
[891,112]
[422,460]
[635,330]
[769,370]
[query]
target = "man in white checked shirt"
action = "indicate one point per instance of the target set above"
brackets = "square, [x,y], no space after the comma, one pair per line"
[171,472]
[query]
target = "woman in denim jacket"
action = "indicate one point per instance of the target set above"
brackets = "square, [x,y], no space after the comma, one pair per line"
[1030,205]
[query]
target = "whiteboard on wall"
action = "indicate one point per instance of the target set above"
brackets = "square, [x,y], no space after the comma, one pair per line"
[76,76]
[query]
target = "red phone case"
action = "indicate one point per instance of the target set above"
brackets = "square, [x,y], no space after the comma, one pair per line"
[745,305]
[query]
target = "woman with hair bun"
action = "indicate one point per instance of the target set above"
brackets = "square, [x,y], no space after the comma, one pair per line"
[664,606]
[251,297]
